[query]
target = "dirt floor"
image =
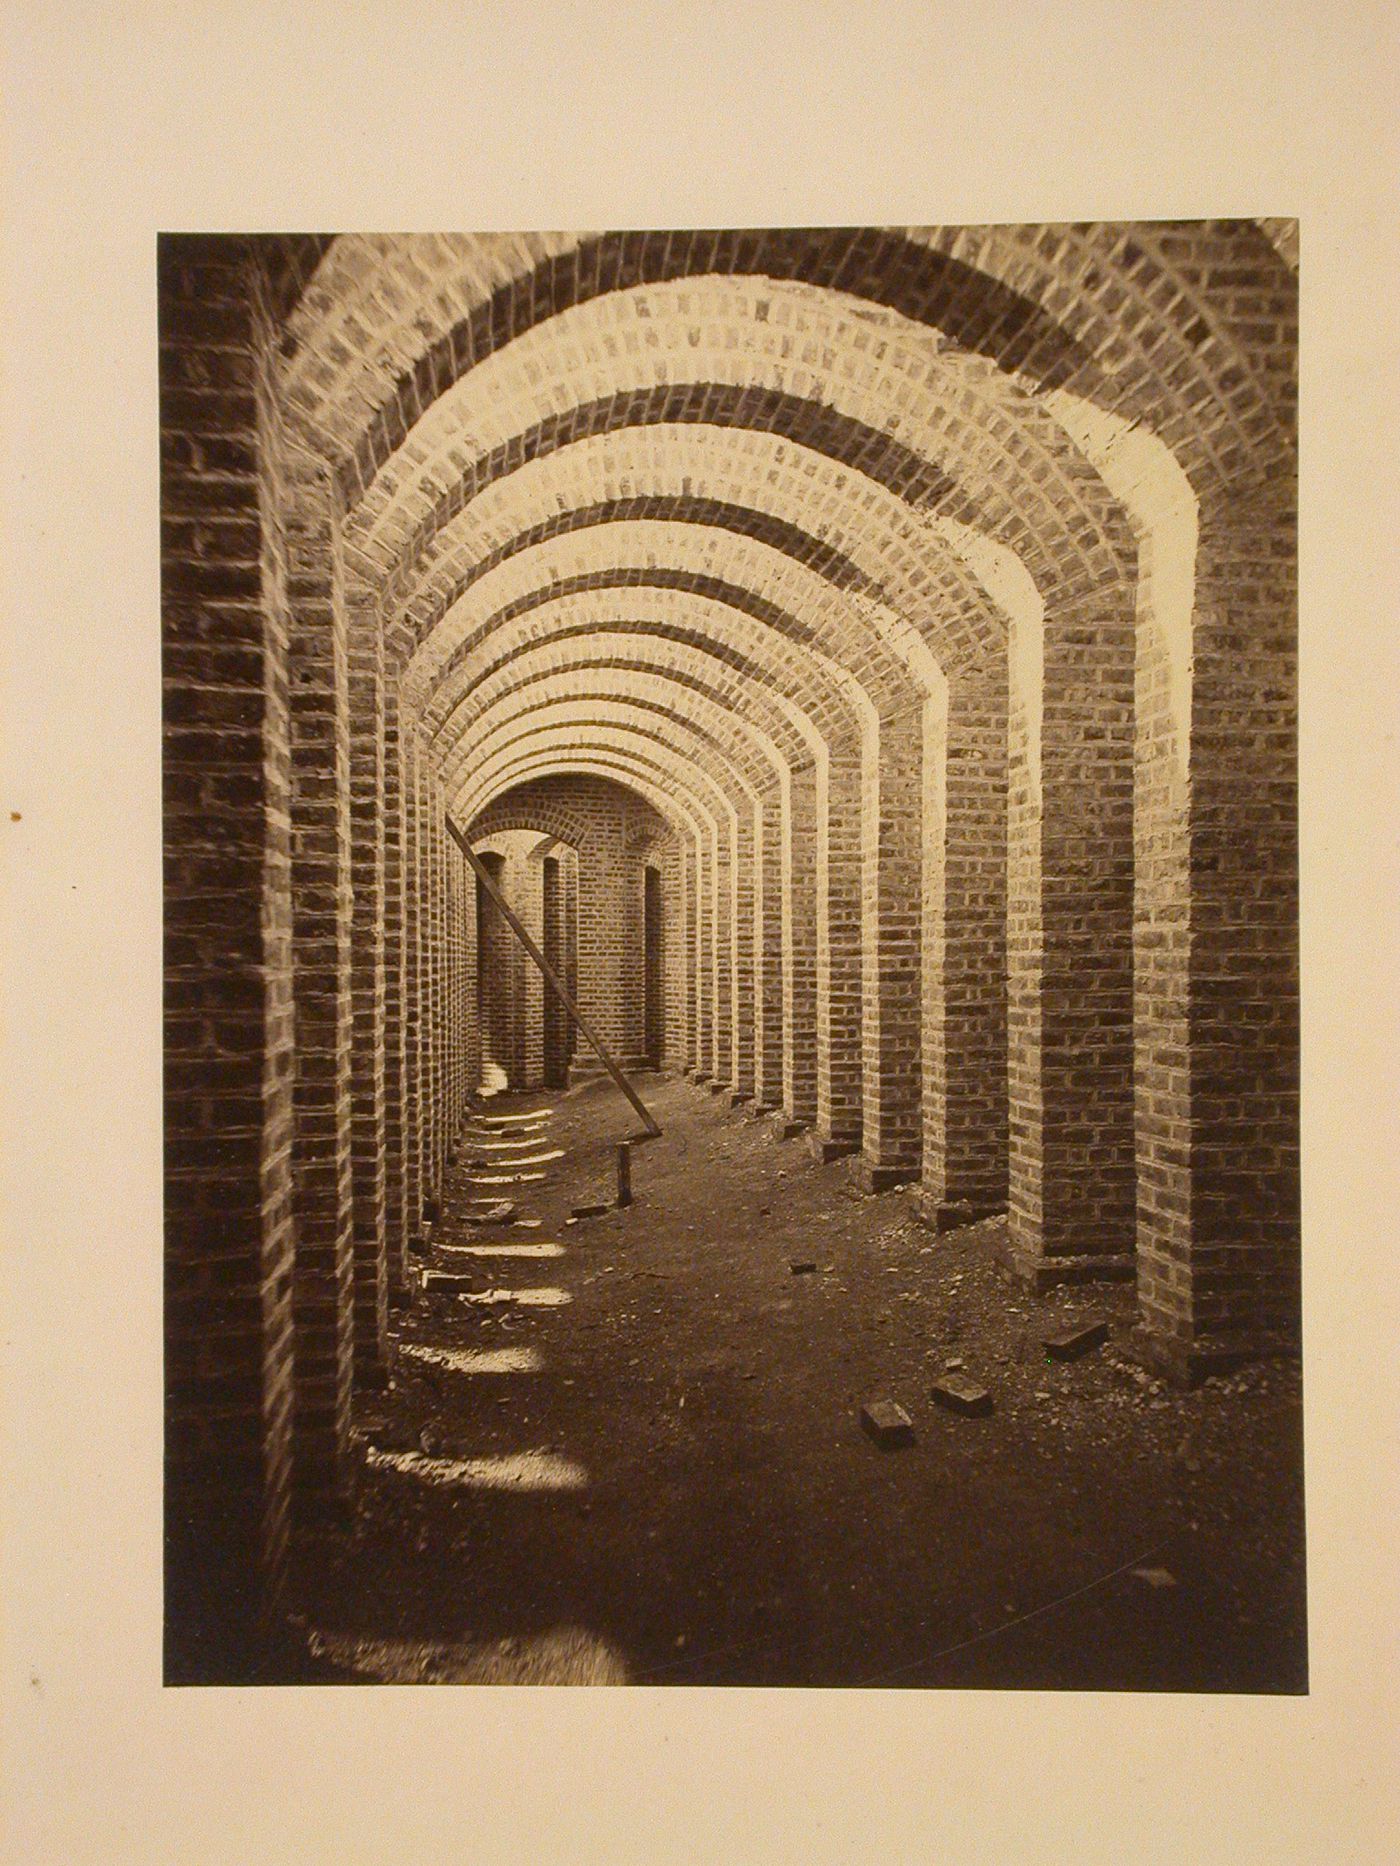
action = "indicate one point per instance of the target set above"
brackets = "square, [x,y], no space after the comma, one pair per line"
[655,1472]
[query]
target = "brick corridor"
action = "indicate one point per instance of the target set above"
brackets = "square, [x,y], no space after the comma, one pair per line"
[865,661]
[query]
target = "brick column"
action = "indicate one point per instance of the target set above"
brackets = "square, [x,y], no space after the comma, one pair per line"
[891,973]
[722,1066]
[695,966]
[471,1079]
[412,980]
[965,1141]
[433,985]
[1069,920]
[496,953]
[705,959]
[367,975]
[608,884]
[837,1129]
[631,948]
[228,1008]
[530,908]
[676,919]
[397,1227]
[457,1008]
[768,953]
[571,1037]
[800,950]
[323,1290]
[1217,1012]
[552,945]
[745,888]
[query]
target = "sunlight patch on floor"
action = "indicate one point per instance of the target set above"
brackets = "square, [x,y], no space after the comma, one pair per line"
[512,1157]
[518,1470]
[477,1360]
[497,1147]
[504,1250]
[566,1655]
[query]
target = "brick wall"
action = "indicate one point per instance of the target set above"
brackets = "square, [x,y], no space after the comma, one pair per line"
[323,1308]
[228,932]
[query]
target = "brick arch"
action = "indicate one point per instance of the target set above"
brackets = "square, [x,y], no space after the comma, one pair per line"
[816,684]
[549,816]
[1192,326]
[799,645]
[755,482]
[650,652]
[672,704]
[683,818]
[1042,302]
[943,429]
[292,260]
[800,621]
[547,727]
[802,420]
[634,735]
[884,269]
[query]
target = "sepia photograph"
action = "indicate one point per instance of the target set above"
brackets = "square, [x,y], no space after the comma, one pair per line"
[731,940]
[701,998]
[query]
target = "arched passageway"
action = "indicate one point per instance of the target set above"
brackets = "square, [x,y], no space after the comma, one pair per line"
[867,662]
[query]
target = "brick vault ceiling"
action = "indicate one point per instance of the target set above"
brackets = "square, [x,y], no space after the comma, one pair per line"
[701,503]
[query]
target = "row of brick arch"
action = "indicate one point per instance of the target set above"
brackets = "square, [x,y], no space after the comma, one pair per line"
[930,595]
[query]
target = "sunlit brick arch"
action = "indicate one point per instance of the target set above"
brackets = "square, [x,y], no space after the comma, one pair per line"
[849,529]
[679,807]
[735,758]
[944,429]
[1086,592]
[794,609]
[827,708]
[796,676]
[389,322]
[779,725]
[552,816]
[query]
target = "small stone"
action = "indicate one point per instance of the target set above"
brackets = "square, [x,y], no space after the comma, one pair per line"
[802,1266]
[1074,1342]
[962,1396]
[500,1213]
[889,1425]
[1155,1577]
[448,1283]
